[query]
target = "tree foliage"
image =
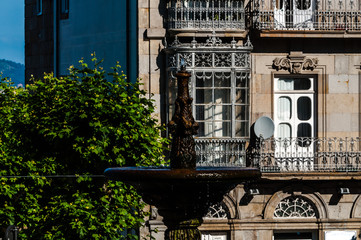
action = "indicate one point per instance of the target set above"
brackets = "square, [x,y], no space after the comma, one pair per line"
[57,136]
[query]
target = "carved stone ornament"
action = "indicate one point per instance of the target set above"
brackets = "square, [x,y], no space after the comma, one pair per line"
[295,62]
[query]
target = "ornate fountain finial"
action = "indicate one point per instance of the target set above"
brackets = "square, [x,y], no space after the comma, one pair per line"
[183,126]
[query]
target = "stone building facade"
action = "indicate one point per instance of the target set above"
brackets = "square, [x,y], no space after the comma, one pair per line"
[296,62]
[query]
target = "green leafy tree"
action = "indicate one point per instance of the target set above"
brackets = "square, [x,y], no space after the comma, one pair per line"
[57,137]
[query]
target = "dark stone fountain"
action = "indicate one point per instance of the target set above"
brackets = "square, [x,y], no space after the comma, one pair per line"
[182,193]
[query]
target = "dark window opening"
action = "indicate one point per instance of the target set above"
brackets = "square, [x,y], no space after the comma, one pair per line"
[39,7]
[64,9]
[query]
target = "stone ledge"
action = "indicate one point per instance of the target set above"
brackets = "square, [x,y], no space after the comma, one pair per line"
[311,176]
[208,32]
[310,34]
[155,33]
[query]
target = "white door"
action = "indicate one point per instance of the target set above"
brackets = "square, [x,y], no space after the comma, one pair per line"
[294,123]
[303,14]
[280,14]
[294,14]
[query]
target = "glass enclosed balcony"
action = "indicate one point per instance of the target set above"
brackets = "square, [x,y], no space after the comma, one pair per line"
[200,15]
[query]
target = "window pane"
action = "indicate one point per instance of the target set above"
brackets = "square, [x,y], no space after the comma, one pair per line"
[222,129]
[304,108]
[222,112]
[222,79]
[222,96]
[241,96]
[204,80]
[205,129]
[304,130]
[204,112]
[284,130]
[285,84]
[241,79]
[241,129]
[284,108]
[241,112]
[204,96]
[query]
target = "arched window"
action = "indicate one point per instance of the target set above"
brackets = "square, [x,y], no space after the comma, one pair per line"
[218,210]
[295,207]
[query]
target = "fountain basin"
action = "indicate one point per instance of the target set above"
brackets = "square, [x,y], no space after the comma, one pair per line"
[182,194]
[200,174]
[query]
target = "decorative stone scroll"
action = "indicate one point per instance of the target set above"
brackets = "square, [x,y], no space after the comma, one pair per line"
[295,62]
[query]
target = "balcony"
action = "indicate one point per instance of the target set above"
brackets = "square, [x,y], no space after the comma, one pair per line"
[310,154]
[306,18]
[317,20]
[288,155]
[206,16]
[221,152]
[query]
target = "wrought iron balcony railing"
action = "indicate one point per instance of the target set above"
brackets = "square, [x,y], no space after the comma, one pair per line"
[221,152]
[283,155]
[206,15]
[325,20]
[310,154]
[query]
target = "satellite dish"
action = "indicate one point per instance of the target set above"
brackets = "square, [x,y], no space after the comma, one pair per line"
[264,127]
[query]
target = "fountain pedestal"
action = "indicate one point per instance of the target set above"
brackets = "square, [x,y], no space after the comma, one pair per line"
[182,193]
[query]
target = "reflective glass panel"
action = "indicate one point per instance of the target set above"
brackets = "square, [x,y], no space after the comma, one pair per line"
[203,95]
[284,130]
[222,129]
[304,130]
[222,112]
[204,112]
[304,108]
[241,96]
[287,84]
[222,96]
[222,80]
[284,108]
[241,129]
[203,79]
[241,112]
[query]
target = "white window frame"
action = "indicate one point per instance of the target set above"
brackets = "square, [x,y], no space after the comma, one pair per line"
[291,148]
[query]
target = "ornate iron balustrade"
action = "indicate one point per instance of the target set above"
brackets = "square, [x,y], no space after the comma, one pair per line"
[326,20]
[206,14]
[221,152]
[310,154]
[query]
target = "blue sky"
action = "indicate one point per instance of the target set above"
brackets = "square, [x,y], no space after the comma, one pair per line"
[12,30]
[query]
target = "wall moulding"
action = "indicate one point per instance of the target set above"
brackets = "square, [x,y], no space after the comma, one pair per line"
[295,63]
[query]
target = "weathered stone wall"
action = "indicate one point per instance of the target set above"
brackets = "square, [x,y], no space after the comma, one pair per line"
[337,91]
[254,218]
[151,35]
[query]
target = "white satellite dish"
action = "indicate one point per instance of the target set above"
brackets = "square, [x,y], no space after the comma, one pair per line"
[264,127]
